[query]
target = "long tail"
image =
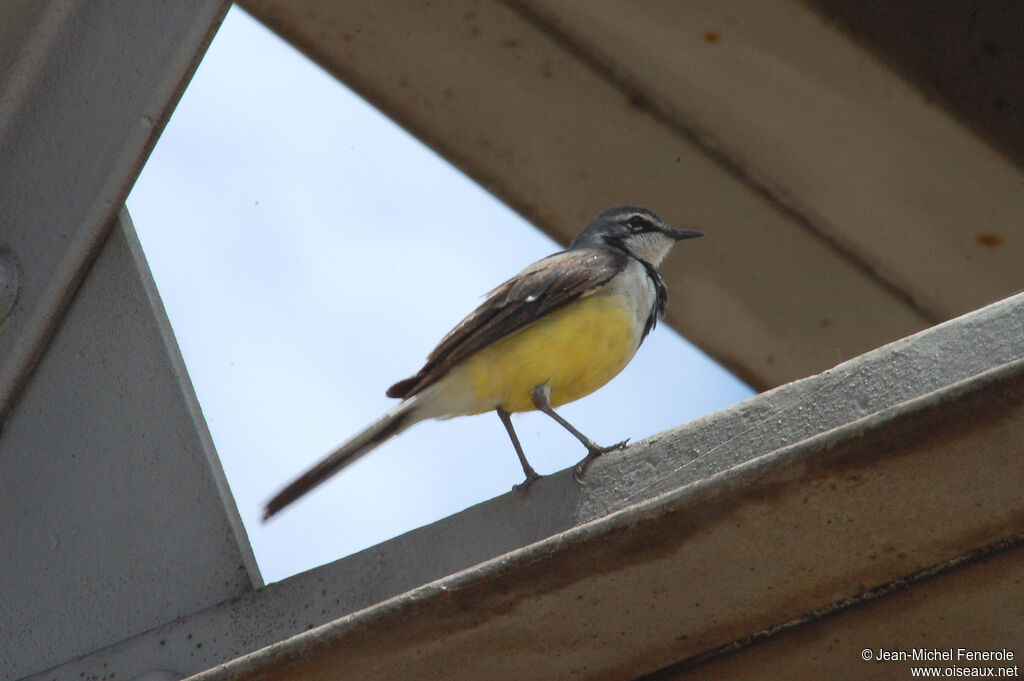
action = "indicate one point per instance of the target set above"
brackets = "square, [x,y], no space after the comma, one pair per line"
[392,423]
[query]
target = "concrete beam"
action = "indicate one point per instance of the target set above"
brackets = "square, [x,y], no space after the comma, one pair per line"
[114,513]
[85,89]
[972,606]
[770,544]
[116,517]
[884,471]
[844,208]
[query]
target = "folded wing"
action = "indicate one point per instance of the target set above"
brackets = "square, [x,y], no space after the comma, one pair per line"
[541,288]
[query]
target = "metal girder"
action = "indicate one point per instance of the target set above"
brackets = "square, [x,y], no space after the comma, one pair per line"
[85,89]
[773,517]
[114,514]
[778,540]
[844,207]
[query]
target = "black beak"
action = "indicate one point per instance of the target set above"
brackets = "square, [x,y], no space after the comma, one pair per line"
[680,234]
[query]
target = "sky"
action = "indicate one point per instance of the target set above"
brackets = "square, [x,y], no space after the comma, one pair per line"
[309,253]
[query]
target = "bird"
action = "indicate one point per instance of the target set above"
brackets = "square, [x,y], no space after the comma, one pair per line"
[553,333]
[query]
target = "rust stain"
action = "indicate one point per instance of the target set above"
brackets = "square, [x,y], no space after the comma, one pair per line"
[989,239]
[712,36]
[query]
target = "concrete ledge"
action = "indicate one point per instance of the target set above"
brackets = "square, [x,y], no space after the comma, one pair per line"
[895,466]
[727,113]
[934,613]
[786,537]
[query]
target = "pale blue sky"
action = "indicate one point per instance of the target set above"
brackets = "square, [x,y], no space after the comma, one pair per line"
[310,253]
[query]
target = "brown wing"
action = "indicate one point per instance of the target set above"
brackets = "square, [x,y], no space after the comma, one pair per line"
[541,288]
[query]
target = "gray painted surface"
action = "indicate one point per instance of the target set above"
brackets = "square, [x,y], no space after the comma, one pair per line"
[10,284]
[84,92]
[844,207]
[972,607]
[971,55]
[783,540]
[115,516]
[115,511]
[799,420]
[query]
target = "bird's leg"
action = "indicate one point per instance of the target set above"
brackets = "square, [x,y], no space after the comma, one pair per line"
[541,397]
[531,474]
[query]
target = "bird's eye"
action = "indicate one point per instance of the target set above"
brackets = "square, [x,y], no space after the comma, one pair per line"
[636,224]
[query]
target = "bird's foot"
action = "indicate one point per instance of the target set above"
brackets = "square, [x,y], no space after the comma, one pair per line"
[593,452]
[531,477]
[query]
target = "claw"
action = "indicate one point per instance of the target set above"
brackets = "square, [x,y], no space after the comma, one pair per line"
[525,484]
[592,454]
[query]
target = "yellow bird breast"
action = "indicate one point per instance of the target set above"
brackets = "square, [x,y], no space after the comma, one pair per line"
[575,350]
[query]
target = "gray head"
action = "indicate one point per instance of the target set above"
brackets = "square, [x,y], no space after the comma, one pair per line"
[637,231]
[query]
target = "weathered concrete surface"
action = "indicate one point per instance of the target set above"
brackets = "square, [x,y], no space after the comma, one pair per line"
[845,208]
[782,538]
[975,607]
[821,491]
[862,236]
[114,514]
[85,89]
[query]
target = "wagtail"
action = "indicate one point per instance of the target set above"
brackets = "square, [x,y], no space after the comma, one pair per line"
[555,332]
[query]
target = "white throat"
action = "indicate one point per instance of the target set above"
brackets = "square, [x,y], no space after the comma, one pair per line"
[651,247]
